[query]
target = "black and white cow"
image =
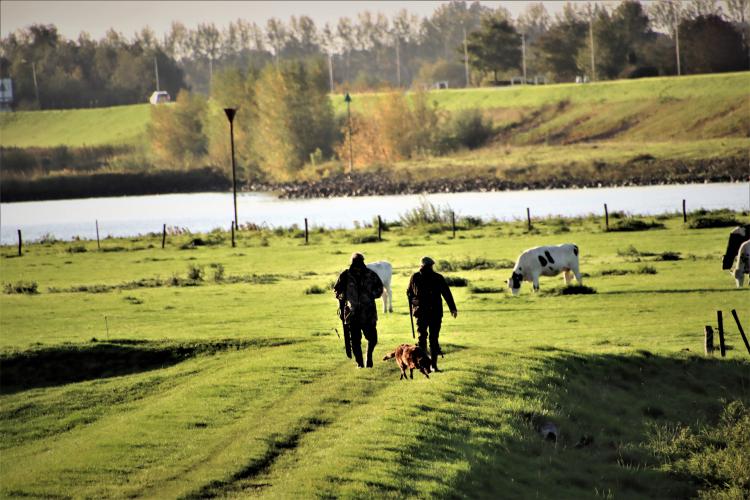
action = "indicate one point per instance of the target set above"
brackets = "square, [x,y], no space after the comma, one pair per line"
[742,264]
[737,237]
[545,261]
[384,270]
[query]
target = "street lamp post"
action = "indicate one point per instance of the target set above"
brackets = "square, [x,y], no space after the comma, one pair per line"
[348,100]
[230,112]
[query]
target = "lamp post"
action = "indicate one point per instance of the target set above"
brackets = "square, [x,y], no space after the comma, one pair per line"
[348,100]
[230,112]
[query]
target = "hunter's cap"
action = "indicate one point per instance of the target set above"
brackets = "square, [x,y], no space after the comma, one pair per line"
[356,256]
[427,261]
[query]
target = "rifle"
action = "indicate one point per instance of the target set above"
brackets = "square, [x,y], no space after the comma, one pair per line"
[411,316]
[347,333]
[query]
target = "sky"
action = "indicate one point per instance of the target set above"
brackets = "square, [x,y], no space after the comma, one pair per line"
[129,17]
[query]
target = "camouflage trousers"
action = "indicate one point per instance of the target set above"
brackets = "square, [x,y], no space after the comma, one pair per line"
[370,332]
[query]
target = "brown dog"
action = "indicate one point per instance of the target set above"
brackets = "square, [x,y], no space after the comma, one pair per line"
[410,356]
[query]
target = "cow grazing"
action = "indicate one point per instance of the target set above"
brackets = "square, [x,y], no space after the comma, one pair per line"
[545,261]
[742,264]
[737,237]
[384,270]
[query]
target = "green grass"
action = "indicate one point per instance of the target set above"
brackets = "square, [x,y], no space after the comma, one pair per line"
[75,127]
[240,387]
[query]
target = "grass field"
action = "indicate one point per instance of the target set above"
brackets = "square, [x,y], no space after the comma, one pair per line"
[124,378]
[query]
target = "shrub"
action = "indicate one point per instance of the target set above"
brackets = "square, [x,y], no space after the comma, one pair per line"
[667,256]
[469,264]
[218,272]
[76,249]
[456,281]
[25,287]
[407,243]
[635,225]
[570,290]
[195,272]
[713,220]
[485,289]
[366,238]
[615,272]
[426,213]
[315,290]
[632,251]
[646,269]
[468,128]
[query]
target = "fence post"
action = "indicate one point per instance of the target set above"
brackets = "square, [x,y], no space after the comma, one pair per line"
[528,218]
[721,334]
[742,332]
[708,345]
[98,246]
[306,234]
[606,217]
[233,243]
[163,235]
[453,223]
[20,243]
[380,228]
[684,212]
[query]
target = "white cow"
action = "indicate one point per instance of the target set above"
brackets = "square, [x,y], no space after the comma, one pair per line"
[384,270]
[545,261]
[742,264]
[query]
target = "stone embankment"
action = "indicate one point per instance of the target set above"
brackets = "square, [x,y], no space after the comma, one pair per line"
[646,171]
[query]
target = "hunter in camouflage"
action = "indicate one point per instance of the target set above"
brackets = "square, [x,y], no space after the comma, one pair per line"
[356,289]
[426,292]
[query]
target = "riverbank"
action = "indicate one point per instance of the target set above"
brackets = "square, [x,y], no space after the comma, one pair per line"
[640,171]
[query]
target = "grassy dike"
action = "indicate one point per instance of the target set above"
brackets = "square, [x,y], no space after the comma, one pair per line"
[232,382]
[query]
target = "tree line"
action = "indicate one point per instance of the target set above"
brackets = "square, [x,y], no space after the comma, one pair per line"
[462,43]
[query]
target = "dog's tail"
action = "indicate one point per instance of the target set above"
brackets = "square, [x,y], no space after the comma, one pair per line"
[390,355]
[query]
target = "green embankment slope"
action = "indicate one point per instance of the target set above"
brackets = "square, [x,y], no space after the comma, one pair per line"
[654,109]
[238,387]
[74,127]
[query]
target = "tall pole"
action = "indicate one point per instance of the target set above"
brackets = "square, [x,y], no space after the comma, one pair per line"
[330,71]
[230,112]
[36,86]
[523,55]
[348,100]
[156,71]
[398,64]
[591,42]
[466,58]
[677,46]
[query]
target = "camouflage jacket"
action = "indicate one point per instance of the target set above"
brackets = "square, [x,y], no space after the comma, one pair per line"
[357,288]
[425,291]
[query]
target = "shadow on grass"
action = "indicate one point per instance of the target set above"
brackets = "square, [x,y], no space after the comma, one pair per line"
[607,410]
[63,364]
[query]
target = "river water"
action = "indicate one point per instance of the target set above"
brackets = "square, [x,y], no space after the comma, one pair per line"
[133,215]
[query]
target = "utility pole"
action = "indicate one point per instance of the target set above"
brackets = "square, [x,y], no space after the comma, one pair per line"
[330,70]
[523,55]
[348,100]
[591,41]
[156,71]
[466,58]
[398,64]
[677,45]
[36,86]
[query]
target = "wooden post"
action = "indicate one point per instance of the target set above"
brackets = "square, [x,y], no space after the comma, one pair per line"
[742,332]
[709,341]
[606,217]
[233,243]
[163,235]
[453,223]
[306,233]
[721,334]
[684,212]
[106,325]
[528,218]
[20,243]
[380,228]
[98,246]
